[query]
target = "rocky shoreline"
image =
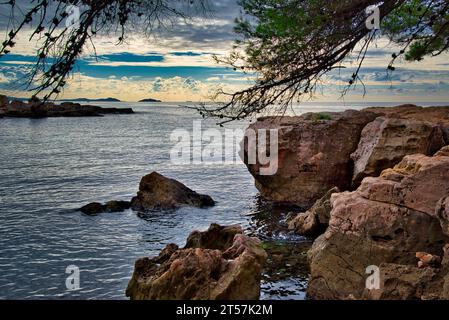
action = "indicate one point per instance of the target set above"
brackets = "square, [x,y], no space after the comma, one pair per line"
[38,109]
[377,183]
[374,185]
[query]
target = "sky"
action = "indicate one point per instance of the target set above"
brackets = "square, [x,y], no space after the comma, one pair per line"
[177,65]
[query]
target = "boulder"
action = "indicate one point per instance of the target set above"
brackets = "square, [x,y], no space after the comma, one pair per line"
[314,155]
[385,221]
[158,192]
[201,273]
[405,282]
[216,237]
[111,206]
[314,222]
[386,141]
[39,109]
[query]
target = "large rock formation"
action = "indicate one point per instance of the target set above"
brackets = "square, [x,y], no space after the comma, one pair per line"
[39,109]
[158,192]
[203,270]
[314,222]
[386,221]
[314,155]
[318,152]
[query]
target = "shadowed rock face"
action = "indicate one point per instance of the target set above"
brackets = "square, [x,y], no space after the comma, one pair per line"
[385,223]
[200,272]
[158,192]
[314,155]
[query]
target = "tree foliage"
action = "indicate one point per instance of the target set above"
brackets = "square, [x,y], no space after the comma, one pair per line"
[290,45]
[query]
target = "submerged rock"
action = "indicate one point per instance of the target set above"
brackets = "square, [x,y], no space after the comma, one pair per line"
[200,272]
[158,192]
[386,221]
[39,109]
[112,206]
[314,222]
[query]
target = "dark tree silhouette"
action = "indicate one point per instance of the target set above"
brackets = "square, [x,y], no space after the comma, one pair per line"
[63,42]
[289,45]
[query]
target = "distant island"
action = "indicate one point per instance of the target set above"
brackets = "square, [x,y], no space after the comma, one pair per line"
[150,100]
[93,100]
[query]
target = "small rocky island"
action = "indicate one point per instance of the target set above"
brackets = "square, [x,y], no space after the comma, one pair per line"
[39,109]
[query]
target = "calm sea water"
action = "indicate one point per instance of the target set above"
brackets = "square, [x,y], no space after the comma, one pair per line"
[51,167]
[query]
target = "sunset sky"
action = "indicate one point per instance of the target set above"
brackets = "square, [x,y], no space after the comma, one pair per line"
[177,65]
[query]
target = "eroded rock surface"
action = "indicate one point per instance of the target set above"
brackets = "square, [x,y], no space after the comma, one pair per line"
[386,221]
[200,272]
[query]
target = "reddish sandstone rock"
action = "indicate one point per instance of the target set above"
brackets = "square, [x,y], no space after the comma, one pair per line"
[386,221]
[216,237]
[232,273]
[428,260]
[314,155]
[158,192]
[386,141]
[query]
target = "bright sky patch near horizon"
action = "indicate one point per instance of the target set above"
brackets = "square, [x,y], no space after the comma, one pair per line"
[177,65]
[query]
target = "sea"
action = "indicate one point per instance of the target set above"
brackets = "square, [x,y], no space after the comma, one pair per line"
[51,167]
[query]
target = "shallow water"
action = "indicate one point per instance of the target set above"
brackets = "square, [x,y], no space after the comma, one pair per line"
[51,167]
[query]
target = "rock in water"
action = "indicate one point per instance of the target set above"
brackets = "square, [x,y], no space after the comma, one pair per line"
[314,155]
[158,192]
[112,206]
[200,272]
[386,221]
[314,222]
